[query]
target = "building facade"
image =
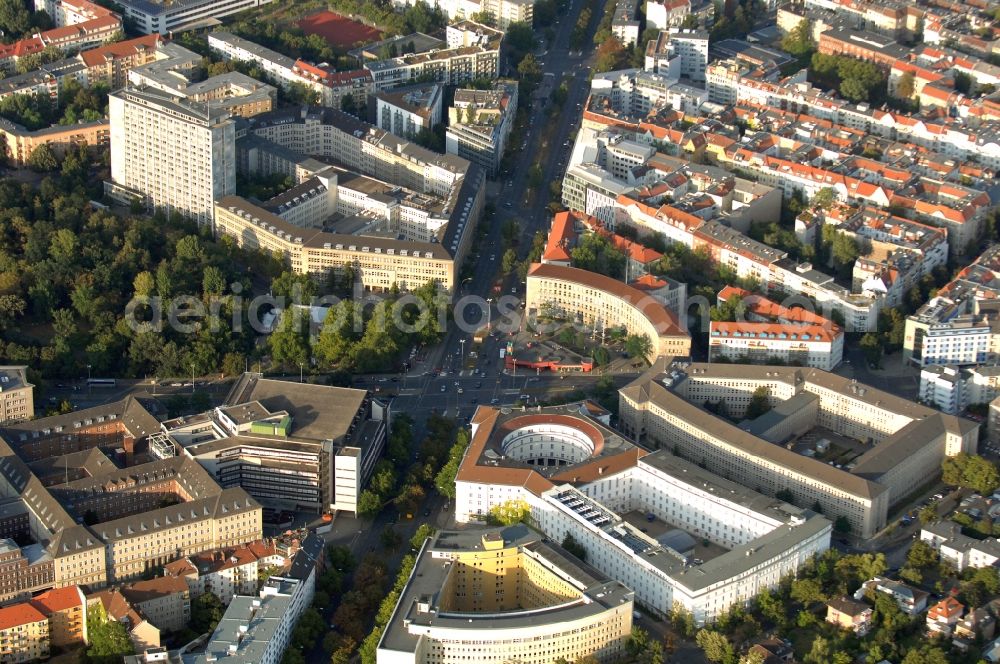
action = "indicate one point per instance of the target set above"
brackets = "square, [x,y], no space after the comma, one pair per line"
[170,153]
[506,594]
[566,295]
[903,442]
[579,478]
[17,400]
[479,124]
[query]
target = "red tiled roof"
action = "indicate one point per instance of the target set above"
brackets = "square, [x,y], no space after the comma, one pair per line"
[561,236]
[123,49]
[648,282]
[58,599]
[161,586]
[770,332]
[20,614]
[658,315]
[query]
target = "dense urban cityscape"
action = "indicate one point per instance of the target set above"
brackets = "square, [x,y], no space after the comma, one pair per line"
[499,331]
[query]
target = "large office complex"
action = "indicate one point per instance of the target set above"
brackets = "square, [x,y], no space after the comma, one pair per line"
[289,445]
[171,153]
[506,594]
[559,295]
[638,515]
[405,216]
[829,440]
[91,522]
[167,17]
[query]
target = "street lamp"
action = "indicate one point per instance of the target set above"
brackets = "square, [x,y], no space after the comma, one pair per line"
[300,372]
[88,379]
[192,378]
[461,365]
[489,313]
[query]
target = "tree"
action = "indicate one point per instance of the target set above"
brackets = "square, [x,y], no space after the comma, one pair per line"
[821,652]
[638,345]
[424,531]
[825,197]
[15,19]
[510,512]
[754,656]
[798,42]
[611,55]
[509,261]
[970,471]
[289,343]
[759,403]
[570,544]
[42,159]
[806,591]
[963,82]
[535,176]
[905,85]
[109,641]
[921,555]
[529,69]
[206,612]
[716,646]
[369,503]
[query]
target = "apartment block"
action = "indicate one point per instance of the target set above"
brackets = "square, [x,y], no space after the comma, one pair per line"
[143,634]
[405,111]
[479,124]
[332,86]
[957,549]
[953,389]
[666,13]
[545,601]
[226,572]
[66,609]
[165,601]
[24,634]
[17,400]
[960,317]
[171,153]
[256,629]
[625,24]
[173,17]
[850,614]
[473,52]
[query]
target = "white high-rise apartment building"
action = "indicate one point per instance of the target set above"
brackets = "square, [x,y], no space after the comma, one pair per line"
[171,153]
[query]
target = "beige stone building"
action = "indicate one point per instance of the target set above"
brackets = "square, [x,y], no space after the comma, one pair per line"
[885,446]
[22,142]
[574,296]
[66,609]
[378,262]
[505,595]
[24,634]
[17,400]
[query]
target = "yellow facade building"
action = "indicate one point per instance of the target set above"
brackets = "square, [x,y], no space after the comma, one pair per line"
[507,596]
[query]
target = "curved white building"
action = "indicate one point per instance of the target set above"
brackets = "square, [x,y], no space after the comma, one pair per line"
[632,511]
[506,596]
